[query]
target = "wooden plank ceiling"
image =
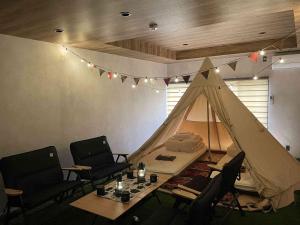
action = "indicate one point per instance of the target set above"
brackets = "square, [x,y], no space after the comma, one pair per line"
[186,28]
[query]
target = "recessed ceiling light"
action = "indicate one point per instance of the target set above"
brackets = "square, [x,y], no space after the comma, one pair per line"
[125,13]
[185,44]
[59,30]
[263,32]
[153,26]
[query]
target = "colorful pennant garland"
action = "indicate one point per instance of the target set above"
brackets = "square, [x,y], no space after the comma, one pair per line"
[186,78]
[253,56]
[109,75]
[136,80]
[167,81]
[232,65]
[123,78]
[101,71]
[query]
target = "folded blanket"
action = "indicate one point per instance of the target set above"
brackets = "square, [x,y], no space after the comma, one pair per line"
[184,142]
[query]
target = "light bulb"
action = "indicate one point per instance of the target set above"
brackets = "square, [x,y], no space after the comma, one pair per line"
[255,77]
[82,60]
[151,79]
[115,75]
[281,60]
[146,80]
[176,80]
[133,86]
[262,52]
[64,50]
[90,65]
[157,91]
[217,70]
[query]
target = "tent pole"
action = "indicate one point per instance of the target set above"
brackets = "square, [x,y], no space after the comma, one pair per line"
[208,132]
[216,127]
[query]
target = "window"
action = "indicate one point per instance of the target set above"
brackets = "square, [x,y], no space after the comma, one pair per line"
[253,93]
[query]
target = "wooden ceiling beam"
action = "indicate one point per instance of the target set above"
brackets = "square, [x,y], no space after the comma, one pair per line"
[145,47]
[297,23]
[291,42]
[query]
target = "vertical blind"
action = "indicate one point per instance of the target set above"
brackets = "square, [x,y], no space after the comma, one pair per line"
[253,93]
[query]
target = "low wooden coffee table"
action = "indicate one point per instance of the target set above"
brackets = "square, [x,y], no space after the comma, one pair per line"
[112,209]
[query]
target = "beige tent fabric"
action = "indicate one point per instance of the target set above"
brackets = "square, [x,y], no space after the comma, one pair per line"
[275,172]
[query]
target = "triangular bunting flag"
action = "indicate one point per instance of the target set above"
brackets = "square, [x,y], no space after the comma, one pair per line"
[186,78]
[136,80]
[123,78]
[205,73]
[253,56]
[109,75]
[101,71]
[232,65]
[167,80]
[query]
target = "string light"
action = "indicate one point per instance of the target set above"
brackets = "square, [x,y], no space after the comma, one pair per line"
[262,52]
[255,77]
[217,70]
[64,50]
[146,80]
[151,79]
[115,75]
[281,60]
[176,80]
[82,60]
[157,91]
[133,86]
[90,65]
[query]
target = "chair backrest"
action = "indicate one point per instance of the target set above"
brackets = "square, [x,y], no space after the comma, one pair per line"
[3,197]
[230,173]
[94,152]
[32,171]
[201,208]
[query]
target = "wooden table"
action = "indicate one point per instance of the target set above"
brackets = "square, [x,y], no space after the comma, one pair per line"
[111,209]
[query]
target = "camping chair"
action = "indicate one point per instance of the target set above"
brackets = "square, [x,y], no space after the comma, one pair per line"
[3,202]
[35,177]
[230,173]
[95,159]
[200,211]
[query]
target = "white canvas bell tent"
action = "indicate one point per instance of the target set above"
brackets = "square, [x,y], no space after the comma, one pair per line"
[275,172]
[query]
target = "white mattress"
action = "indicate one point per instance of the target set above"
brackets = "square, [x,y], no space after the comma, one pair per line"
[174,167]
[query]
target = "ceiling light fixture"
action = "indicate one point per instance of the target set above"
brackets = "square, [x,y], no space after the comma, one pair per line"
[58,30]
[125,13]
[153,26]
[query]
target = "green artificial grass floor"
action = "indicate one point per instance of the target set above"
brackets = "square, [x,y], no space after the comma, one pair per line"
[64,214]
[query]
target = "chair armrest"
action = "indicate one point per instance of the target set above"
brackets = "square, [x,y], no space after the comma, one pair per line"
[122,154]
[214,168]
[13,192]
[76,168]
[184,194]
[182,187]
[83,167]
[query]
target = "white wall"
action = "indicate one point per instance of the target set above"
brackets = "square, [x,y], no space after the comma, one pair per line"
[50,99]
[284,114]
